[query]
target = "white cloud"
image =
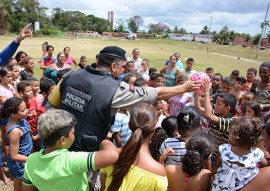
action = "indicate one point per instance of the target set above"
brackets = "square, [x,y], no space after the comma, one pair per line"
[240,16]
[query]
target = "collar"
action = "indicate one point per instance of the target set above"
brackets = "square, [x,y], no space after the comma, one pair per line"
[98,72]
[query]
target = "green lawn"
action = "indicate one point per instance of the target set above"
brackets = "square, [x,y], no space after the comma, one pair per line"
[156,50]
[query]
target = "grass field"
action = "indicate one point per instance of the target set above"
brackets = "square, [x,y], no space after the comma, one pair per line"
[222,58]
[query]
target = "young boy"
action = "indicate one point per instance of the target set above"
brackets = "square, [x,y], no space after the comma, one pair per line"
[55,168]
[226,86]
[237,89]
[234,74]
[188,70]
[35,89]
[46,87]
[156,79]
[120,129]
[216,82]
[209,71]
[251,75]
[220,119]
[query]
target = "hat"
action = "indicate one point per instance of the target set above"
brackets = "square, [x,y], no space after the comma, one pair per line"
[114,51]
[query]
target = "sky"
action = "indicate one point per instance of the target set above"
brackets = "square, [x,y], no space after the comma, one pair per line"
[243,16]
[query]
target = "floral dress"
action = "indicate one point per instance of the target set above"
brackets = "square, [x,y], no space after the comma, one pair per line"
[231,176]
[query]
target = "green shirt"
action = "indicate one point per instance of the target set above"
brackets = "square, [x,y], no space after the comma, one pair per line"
[58,170]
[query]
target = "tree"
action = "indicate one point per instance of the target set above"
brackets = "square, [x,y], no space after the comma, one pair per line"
[134,23]
[159,28]
[247,38]
[204,30]
[182,31]
[256,39]
[121,26]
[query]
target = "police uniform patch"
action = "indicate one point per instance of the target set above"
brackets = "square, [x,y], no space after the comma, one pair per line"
[140,91]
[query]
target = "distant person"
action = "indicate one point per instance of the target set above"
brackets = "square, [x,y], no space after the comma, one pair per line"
[188,71]
[235,74]
[49,59]
[43,48]
[135,57]
[178,64]
[20,56]
[83,62]
[69,59]
[209,71]
[9,51]
[251,75]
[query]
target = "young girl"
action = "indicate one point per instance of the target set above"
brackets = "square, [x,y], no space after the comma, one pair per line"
[20,56]
[37,96]
[69,58]
[28,63]
[190,174]
[236,165]
[6,89]
[19,138]
[15,73]
[83,62]
[135,168]
[188,123]
[160,111]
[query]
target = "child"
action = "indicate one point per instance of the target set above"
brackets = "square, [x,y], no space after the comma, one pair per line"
[130,66]
[144,71]
[191,174]
[2,170]
[160,111]
[83,62]
[226,86]
[252,109]
[156,79]
[46,87]
[220,120]
[6,89]
[236,165]
[178,102]
[120,129]
[188,70]
[15,73]
[170,126]
[237,89]
[234,74]
[251,75]
[49,59]
[139,82]
[56,168]
[61,73]
[188,123]
[216,82]
[129,78]
[20,56]
[19,137]
[209,71]
[199,103]
[35,88]
[28,63]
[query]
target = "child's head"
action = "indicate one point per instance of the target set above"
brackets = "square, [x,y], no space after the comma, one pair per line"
[34,84]
[129,78]
[170,125]
[239,83]
[28,63]
[46,86]
[227,84]
[130,66]
[14,107]
[83,61]
[56,128]
[199,149]
[252,109]
[245,132]
[49,49]
[181,79]
[15,71]
[159,107]
[20,56]
[177,55]
[66,50]
[145,65]
[248,97]
[225,104]
[11,61]
[140,82]
[209,71]
[24,89]
[251,74]
[5,75]
[234,74]
[157,79]
[61,73]
[188,121]
[152,70]
[201,98]
[264,71]
[189,63]
[216,80]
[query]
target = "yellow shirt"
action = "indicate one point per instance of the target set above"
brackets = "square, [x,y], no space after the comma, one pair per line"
[138,179]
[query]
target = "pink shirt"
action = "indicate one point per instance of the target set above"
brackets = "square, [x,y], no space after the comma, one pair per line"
[69,60]
[39,99]
[7,92]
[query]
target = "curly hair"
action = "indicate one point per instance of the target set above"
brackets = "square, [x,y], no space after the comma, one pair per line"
[157,139]
[199,149]
[246,131]
[11,106]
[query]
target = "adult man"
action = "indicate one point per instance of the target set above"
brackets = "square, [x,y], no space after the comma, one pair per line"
[93,95]
[136,59]
[8,52]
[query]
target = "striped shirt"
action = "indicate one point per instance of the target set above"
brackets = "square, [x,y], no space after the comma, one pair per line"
[121,125]
[179,147]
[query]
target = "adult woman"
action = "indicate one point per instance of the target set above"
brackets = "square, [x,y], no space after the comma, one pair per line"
[69,58]
[52,70]
[170,72]
[189,174]
[261,88]
[135,168]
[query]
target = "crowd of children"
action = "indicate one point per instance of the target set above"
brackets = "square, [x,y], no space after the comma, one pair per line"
[217,139]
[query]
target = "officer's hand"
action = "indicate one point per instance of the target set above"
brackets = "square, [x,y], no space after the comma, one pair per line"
[191,86]
[25,32]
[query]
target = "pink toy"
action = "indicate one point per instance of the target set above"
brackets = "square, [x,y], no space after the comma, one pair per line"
[200,76]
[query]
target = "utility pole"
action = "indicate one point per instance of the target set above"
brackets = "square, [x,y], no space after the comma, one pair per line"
[209,31]
[260,41]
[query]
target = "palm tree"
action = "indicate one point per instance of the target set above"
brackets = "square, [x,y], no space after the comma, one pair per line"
[204,30]
[265,25]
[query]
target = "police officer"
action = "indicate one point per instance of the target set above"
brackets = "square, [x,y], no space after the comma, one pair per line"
[93,95]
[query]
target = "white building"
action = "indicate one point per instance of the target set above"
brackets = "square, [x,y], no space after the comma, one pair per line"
[192,37]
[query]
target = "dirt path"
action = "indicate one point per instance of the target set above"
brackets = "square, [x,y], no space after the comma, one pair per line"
[248,60]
